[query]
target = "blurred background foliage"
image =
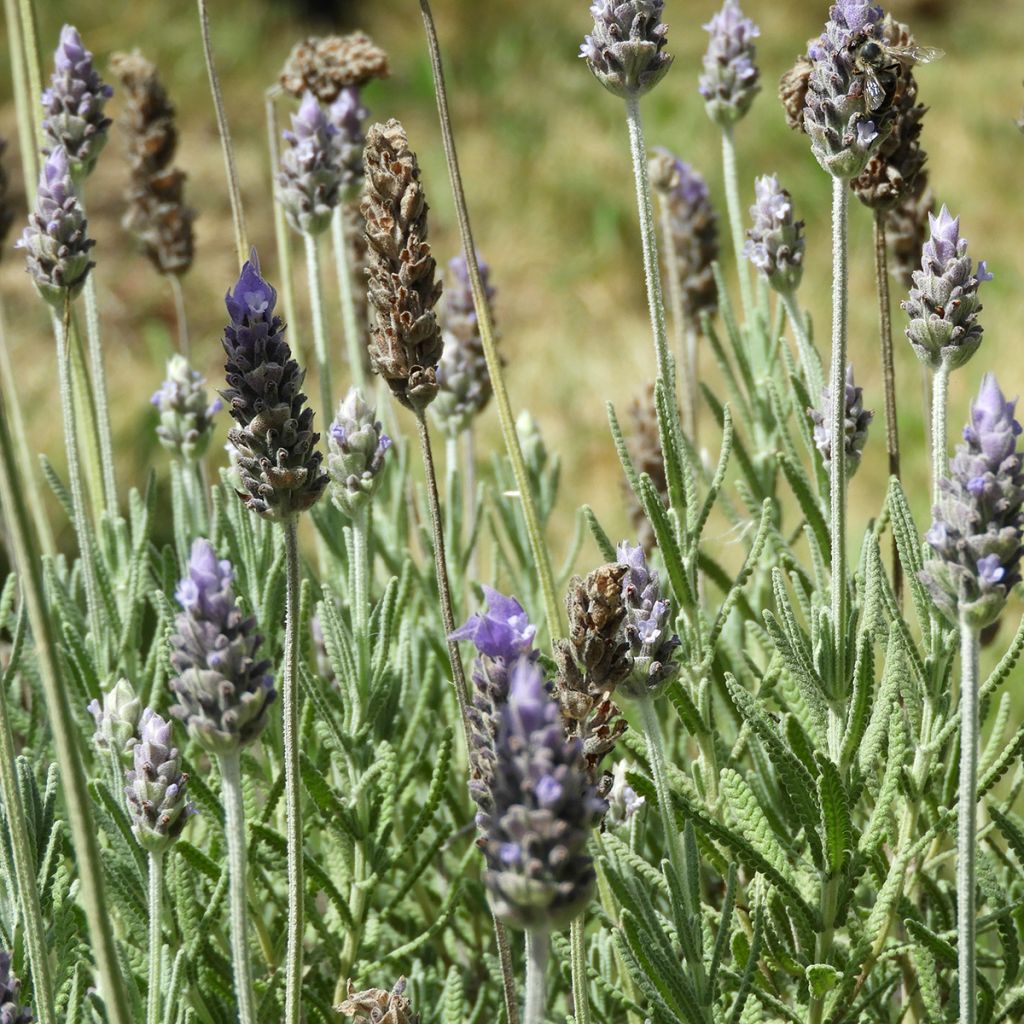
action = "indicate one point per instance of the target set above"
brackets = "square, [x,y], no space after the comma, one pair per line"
[546,161]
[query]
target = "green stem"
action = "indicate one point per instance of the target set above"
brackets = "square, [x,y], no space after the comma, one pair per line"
[732,199]
[26,116]
[355,340]
[316,305]
[281,230]
[538,946]
[293,803]
[837,424]
[578,954]
[88,423]
[30,54]
[485,323]
[234,829]
[508,985]
[823,941]
[180,315]
[940,403]
[361,595]
[810,362]
[55,692]
[967,822]
[24,863]
[234,193]
[156,891]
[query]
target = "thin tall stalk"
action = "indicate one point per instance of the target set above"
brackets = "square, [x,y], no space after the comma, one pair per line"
[355,340]
[538,947]
[92,892]
[180,314]
[685,333]
[27,116]
[316,306]
[292,796]
[485,323]
[940,403]
[281,235]
[578,967]
[967,823]
[156,891]
[892,433]
[732,201]
[98,382]
[234,829]
[234,193]
[809,361]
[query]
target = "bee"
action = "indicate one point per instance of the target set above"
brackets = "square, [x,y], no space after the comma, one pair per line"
[882,65]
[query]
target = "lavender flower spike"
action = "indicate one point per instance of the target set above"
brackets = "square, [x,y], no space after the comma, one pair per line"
[943,305]
[186,416]
[978,526]
[348,116]
[278,463]
[537,812]
[117,719]
[775,242]
[55,243]
[356,446]
[155,788]
[647,627]
[856,431]
[11,1009]
[503,631]
[73,105]
[309,181]
[731,79]
[625,51]
[223,691]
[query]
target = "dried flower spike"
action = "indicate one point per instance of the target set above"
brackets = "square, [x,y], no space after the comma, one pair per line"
[462,378]
[277,457]
[155,787]
[693,230]
[11,1009]
[943,305]
[375,1006]
[844,124]
[626,49]
[537,812]
[596,614]
[775,242]
[309,181]
[186,414]
[325,66]
[731,79]
[405,340]
[73,105]
[856,429]
[222,690]
[117,719]
[55,242]
[356,446]
[793,87]
[978,526]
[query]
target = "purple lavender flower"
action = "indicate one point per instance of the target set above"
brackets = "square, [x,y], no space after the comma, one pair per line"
[978,524]
[503,631]
[463,380]
[356,446]
[348,116]
[55,242]
[844,124]
[309,181]
[775,242]
[537,811]
[943,305]
[646,628]
[856,429]
[116,718]
[623,802]
[278,462]
[186,416]
[11,1009]
[155,787]
[730,79]
[625,51]
[223,692]
[73,105]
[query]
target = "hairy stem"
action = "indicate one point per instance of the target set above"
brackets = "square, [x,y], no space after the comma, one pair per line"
[810,362]
[485,323]
[292,796]
[26,114]
[92,891]
[355,340]
[578,954]
[538,946]
[732,200]
[361,595]
[967,821]
[508,984]
[179,314]
[940,403]
[281,230]
[316,305]
[837,424]
[685,332]
[823,941]
[234,829]
[156,892]
[30,54]
[234,192]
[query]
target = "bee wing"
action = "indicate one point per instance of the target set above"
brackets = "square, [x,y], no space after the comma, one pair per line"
[920,54]
[875,91]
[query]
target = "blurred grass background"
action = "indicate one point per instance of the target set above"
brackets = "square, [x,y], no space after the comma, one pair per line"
[545,156]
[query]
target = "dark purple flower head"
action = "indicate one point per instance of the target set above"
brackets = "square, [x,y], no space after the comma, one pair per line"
[978,526]
[309,180]
[503,631]
[731,79]
[73,104]
[11,1009]
[856,425]
[626,49]
[943,305]
[223,691]
[356,447]
[775,242]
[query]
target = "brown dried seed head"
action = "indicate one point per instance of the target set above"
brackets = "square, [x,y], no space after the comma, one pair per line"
[327,65]
[375,1006]
[793,90]
[147,118]
[595,619]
